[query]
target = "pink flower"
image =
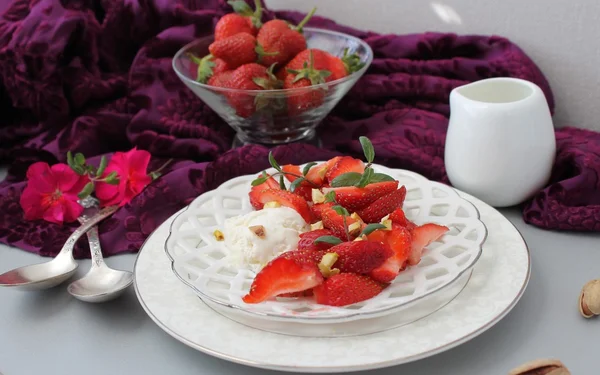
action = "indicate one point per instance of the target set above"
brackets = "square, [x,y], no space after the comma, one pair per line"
[131,169]
[51,193]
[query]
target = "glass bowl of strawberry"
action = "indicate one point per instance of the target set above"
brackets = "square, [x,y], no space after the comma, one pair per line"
[273,84]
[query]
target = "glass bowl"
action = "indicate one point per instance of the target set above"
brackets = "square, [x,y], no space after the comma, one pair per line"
[264,116]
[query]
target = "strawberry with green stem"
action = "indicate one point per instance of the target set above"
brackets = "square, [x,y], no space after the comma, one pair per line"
[312,73]
[278,41]
[244,20]
[298,179]
[206,67]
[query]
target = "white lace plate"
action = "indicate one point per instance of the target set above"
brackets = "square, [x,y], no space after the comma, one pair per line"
[200,261]
[498,281]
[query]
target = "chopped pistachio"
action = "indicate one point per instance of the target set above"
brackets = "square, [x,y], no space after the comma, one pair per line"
[317,225]
[354,228]
[218,235]
[317,196]
[259,230]
[272,204]
[326,263]
[388,224]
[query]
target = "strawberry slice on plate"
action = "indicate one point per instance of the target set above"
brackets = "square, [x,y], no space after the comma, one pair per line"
[360,256]
[255,192]
[318,209]
[283,275]
[354,198]
[383,206]
[344,164]
[399,217]
[422,236]
[346,288]
[335,222]
[307,240]
[285,198]
[399,240]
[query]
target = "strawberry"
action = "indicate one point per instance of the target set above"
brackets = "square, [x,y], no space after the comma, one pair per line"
[307,240]
[204,68]
[422,236]
[399,241]
[345,289]
[278,41]
[341,67]
[383,206]
[354,198]
[398,217]
[335,222]
[302,61]
[283,275]
[249,77]
[343,165]
[255,192]
[285,198]
[318,209]
[304,255]
[311,74]
[220,79]
[235,50]
[360,256]
[232,24]
[304,293]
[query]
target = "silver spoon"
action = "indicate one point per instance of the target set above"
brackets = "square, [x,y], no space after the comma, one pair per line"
[101,283]
[62,267]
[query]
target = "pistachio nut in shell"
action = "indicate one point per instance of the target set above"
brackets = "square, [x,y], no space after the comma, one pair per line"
[589,299]
[541,367]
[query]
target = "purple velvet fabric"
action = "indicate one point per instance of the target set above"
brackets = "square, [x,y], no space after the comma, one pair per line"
[95,77]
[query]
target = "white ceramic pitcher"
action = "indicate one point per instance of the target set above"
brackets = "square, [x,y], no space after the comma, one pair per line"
[500,145]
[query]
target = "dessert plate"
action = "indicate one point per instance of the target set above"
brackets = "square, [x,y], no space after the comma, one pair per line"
[497,283]
[201,262]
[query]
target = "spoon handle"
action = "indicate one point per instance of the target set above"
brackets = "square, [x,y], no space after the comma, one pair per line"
[97,259]
[67,248]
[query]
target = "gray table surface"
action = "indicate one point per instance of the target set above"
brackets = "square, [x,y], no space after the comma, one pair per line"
[52,333]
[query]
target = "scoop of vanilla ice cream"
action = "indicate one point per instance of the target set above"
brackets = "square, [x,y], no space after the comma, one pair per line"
[281,227]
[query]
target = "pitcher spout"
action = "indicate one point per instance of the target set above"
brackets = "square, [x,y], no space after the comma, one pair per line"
[497,91]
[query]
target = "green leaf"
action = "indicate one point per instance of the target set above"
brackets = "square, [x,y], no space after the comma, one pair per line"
[366,177]
[70,160]
[79,159]
[381,177]
[155,175]
[371,228]
[87,190]
[112,178]
[281,183]
[367,148]
[346,179]
[307,168]
[328,239]
[330,197]
[273,162]
[241,7]
[295,184]
[259,181]
[341,210]
[102,166]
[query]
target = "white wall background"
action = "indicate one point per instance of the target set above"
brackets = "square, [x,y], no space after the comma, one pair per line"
[561,36]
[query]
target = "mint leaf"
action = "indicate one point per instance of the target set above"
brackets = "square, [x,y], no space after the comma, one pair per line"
[102,166]
[87,190]
[371,228]
[330,197]
[381,177]
[366,177]
[346,179]
[273,162]
[307,168]
[294,185]
[259,181]
[328,239]
[367,148]
[341,210]
[281,183]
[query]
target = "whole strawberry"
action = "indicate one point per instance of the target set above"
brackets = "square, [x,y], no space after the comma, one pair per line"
[235,50]
[312,73]
[248,77]
[204,68]
[278,41]
[244,20]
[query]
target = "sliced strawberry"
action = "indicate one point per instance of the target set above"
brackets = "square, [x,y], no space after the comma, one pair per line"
[285,198]
[283,275]
[304,293]
[307,240]
[304,255]
[335,222]
[422,236]
[398,217]
[385,205]
[399,240]
[345,289]
[360,256]
[290,168]
[354,198]
[256,191]
[317,173]
[305,188]
[343,165]
[318,209]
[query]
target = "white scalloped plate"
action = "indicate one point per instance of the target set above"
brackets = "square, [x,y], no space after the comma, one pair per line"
[201,262]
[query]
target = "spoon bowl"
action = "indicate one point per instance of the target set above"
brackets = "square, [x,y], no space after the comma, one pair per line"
[101,284]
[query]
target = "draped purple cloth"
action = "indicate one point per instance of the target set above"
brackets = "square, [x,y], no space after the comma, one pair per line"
[95,77]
